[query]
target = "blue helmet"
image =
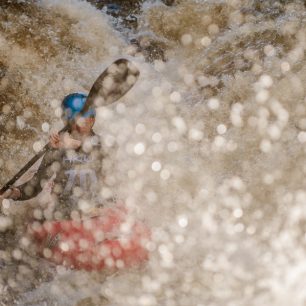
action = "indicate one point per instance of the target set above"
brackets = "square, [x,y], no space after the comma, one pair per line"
[73,105]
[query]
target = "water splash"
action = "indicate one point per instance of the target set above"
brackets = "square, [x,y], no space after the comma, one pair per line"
[208,147]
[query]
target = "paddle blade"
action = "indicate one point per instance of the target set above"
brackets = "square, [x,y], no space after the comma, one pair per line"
[112,84]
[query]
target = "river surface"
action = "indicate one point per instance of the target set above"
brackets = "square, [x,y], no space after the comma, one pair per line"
[209,147]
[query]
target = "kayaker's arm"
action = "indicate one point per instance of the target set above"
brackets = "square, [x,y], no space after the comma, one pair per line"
[33,187]
[25,191]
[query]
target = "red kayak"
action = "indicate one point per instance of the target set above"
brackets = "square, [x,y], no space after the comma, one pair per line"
[109,240]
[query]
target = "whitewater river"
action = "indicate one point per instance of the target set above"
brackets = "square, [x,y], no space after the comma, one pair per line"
[209,147]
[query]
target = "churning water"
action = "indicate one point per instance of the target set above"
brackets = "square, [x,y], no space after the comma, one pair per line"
[209,147]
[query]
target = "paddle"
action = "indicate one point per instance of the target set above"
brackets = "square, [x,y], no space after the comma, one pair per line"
[111,85]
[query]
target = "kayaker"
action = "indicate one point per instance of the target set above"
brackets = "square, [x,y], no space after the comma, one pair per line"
[73,167]
[71,172]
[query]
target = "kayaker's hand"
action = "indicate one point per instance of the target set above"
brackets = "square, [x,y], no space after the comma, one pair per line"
[12,193]
[64,141]
[55,141]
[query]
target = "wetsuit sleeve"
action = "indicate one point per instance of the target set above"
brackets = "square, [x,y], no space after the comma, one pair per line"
[33,187]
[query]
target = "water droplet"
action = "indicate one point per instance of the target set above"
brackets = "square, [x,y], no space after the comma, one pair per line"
[262,96]
[186,39]
[238,213]
[285,66]
[156,166]
[205,41]
[139,148]
[213,103]
[45,127]
[156,137]
[195,134]
[140,129]
[182,221]
[221,129]
[37,146]
[266,81]
[175,97]
[165,174]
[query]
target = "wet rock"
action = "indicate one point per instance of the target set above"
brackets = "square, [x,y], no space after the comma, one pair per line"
[126,13]
[270,8]
[92,301]
[150,48]
[113,9]
[127,9]
[169,2]
[3,70]
[121,8]
[16,4]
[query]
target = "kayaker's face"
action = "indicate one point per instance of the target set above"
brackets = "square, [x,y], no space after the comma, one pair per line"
[83,125]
